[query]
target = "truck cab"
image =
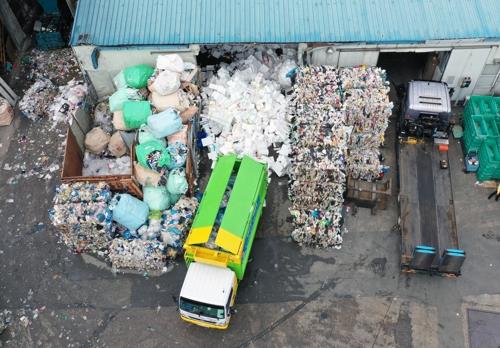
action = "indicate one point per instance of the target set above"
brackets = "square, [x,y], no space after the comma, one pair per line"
[218,245]
[207,295]
[426,109]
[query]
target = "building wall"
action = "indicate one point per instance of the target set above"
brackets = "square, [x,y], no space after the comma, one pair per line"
[112,60]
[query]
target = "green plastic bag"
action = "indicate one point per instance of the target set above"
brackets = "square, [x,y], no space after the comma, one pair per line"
[145,135]
[177,183]
[136,113]
[121,96]
[153,155]
[137,76]
[156,197]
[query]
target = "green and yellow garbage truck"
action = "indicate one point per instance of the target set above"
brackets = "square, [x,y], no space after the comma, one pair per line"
[221,237]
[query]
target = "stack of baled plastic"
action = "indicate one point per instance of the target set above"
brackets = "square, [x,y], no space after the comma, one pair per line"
[245,111]
[82,217]
[317,176]
[367,110]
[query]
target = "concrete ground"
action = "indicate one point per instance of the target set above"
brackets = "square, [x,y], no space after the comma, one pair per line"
[290,296]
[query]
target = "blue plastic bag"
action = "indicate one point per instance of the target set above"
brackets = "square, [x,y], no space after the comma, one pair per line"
[129,211]
[177,183]
[165,123]
[156,197]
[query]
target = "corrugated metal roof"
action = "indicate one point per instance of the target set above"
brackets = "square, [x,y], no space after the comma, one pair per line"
[173,22]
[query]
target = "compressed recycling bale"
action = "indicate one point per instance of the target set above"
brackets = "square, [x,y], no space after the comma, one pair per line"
[116,145]
[129,211]
[96,140]
[178,155]
[137,76]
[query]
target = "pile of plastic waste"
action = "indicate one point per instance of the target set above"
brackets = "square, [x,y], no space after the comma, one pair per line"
[339,117]
[245,111]
[319,143]
[82,216]
[367,109]
[120,227]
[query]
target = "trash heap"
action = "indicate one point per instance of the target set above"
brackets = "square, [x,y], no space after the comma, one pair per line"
[317,176]
[120,227]
[338,122]
[82,216]
[367,110]
[245,111]
[50,97]
[149,106]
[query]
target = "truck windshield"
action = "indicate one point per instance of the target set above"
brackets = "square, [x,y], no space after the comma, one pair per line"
[195,307]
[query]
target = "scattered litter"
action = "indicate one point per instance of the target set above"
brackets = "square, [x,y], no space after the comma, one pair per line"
[94,165]
[37,99]
[137,254]
[5,320]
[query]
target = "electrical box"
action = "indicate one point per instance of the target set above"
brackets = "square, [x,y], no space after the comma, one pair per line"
[466,81]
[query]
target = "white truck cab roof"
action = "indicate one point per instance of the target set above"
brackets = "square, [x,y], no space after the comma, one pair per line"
[428,96]
[208,284]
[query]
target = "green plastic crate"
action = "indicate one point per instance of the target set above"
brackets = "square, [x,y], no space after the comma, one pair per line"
[491,126]
[496,100]
[489,154]
[481,105]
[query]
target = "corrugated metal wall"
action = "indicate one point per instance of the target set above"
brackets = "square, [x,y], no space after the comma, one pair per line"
[158,22]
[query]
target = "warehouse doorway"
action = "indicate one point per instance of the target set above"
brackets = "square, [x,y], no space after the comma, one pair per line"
[403,67]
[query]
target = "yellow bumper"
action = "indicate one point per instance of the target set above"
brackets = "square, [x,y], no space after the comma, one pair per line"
[204,323]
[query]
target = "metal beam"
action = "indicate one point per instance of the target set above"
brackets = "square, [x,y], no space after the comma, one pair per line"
[12,25]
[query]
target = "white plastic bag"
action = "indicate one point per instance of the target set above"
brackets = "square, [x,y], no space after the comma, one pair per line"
[167,82]
[171,62]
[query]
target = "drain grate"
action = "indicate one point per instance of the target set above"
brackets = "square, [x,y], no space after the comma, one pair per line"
[484,329]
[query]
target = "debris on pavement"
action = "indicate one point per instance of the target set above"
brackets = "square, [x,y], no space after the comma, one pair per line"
[37,100]
[5,320]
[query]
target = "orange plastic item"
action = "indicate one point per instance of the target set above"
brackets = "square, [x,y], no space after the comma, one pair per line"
[443,148]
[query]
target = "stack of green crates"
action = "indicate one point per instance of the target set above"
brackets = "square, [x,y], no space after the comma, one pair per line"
[489,160]
[481,121]
[482,134]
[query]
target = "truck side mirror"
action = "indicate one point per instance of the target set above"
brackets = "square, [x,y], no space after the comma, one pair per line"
[175,299]
[232,311]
